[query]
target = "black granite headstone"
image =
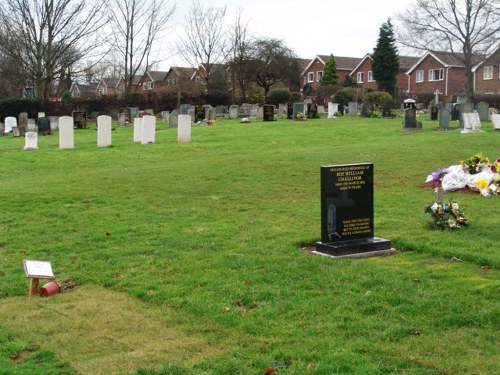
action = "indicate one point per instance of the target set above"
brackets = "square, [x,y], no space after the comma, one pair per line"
[199,113]
[410,119]
[44,126]
[268,111]
[455,113]
[434,112]
[347,211]
[312,110]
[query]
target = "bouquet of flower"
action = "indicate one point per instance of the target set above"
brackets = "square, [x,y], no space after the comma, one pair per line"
[299,116]
[475,164]
[495,167]
[447,215]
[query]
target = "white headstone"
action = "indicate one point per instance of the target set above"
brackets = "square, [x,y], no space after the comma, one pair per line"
[137,129]
[148,130]
[472,122]
[53,123]
[233,111]
[66,132]
[332,109]
[103,131]
[495,119]
[31,125]
[10,122]
[41,114]
[184,129]
[31,141]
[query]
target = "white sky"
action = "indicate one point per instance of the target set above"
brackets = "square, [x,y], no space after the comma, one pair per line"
[308,27]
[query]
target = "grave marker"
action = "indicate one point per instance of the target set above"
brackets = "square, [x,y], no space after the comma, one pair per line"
[66,132]
[173,119]
[347,211]
[44,126]
[103,131]
[148,130]
[410,120]
[31,141]
[268,112]
[184,130]
[137,129]
[10,123]
[444,118]
[495,119]
[80,119]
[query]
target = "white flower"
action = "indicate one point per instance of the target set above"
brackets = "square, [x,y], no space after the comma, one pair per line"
[434,207]
[454,206]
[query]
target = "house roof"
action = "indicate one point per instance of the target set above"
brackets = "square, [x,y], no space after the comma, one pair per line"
[157,75]
[342,62]
[406,62]
[495,52]
[90,88]
[447,59]
[111,82]
[181,71]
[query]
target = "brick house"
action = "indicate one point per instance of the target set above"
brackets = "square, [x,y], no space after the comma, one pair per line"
[134,87]
[179,79]
[363,74]
[109,86]
[313,72]
[153,81]
[487,74]
[83,91]
[440,71]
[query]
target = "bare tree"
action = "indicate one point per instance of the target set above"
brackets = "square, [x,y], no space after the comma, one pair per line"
[240,56]
[46,38]
[205,41]
[137,25]
[467,28]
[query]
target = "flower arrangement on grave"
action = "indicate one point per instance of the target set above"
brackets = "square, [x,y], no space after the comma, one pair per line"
[245,120]
[475,163]
[475,173]
[300,116]
[447,215]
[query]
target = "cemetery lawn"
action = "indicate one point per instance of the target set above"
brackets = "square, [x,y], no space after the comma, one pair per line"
[194,258]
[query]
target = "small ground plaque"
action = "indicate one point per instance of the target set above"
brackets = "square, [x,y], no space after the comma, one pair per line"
[347,211]
[36,270]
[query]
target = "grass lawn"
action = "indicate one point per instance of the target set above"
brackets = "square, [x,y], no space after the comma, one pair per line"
[190,258]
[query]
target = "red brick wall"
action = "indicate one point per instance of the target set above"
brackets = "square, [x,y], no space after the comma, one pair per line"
[364,68]
[489,85]
[452,83]
[316,66]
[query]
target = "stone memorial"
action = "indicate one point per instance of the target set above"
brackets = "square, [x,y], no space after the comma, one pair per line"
[472,122]
[312,110]
[409,103]
[31,127]
[103,131]
[133,112]
[53,123]
[22,122]
[66,132]
[444,118]
[199,114]
[2,129]
[464,108]
[491,111]
[173,119]
[347,225]
[387,108]
[495,120]
[80,119]
[455,112]
[31,141]
[44,127]
[352,108]
[482,109]
[268,112]
[410,120]
[184,129]
[233,112]
[122,120]
[321,110]
[16,132]
[10,122]
[183,109]
[289,111]
[254,109]
[298,111]
[191,113]
[40,115]
[148,130]
[137,129]
[434,112]
[210,113]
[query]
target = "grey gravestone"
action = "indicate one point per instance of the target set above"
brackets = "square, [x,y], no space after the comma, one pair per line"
[434,113]
[260,113]
[133,111]
[347,224]
[464,108]
[268,112]
[16,132]
[444,118]
[22,123]
[183,109]
[410,120]
[31,125]
[191,113]
[254,110]
[352,108]
[233,112]
[211,114]
[298,111]
[122,119]
[173,119]
[207,107]
[245,110]
[387,107]
[366,109]
[53,123]
[44,126]
[482,109]
[2,128]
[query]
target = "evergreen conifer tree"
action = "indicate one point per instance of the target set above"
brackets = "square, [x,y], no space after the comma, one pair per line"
[330,76]
[385,63]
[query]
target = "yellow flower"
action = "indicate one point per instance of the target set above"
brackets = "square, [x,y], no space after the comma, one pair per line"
[482,183]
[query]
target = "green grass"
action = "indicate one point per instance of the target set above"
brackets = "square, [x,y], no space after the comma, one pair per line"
[208,237]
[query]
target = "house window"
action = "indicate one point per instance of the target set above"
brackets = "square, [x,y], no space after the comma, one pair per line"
[370,76]
[310,77]
[436,74]
[419,76]
[319,76]
[360,77]
[148,85]
[488,72]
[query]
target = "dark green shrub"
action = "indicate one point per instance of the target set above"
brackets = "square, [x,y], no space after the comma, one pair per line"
[278,96]
[377,98]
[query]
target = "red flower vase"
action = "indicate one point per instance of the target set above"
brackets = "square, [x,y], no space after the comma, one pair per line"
[49,289]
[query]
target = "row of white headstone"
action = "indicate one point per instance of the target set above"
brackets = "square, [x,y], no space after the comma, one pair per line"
[495,119]
[144,132]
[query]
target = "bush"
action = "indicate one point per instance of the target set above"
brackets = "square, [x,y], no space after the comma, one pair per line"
[278,96]
[377,98]
[295,97]
[257,98]
[345,95]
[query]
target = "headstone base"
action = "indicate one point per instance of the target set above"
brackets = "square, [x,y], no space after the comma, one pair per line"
[470,131]
[353,247]
[368,254]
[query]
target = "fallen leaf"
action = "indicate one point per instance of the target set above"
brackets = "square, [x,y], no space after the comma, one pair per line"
[226,309]
[485,268]
[309,367]
[269,371]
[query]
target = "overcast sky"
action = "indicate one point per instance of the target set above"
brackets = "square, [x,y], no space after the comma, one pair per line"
[308,27]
